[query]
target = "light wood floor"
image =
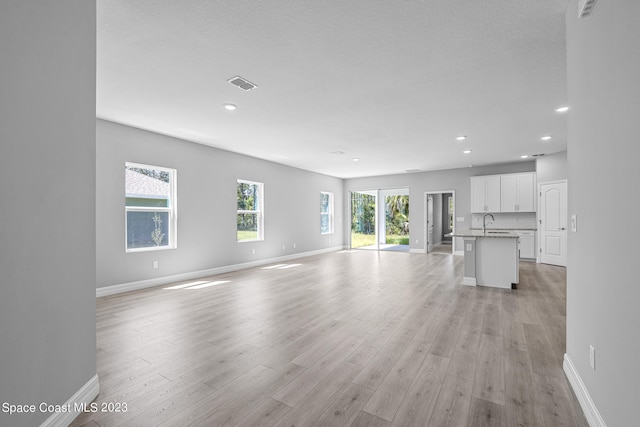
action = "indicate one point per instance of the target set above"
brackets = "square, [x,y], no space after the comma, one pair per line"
[442,248]
[356,338]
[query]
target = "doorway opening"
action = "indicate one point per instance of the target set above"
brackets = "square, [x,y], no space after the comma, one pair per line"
[439,222]
[380,219]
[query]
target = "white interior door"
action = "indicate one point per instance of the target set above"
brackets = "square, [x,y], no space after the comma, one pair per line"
[429,223]
[553,223]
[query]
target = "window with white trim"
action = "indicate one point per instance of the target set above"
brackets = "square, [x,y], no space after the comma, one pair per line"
[326,212]
[150,207]
[250,211]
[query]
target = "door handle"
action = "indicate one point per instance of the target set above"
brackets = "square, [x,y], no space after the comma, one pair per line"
[561,228]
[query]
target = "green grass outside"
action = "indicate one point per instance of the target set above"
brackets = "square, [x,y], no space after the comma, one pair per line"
[394,239]
[247,235]
[359,240]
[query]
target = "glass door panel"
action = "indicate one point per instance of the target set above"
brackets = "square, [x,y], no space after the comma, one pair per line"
[396,222]
[363,220]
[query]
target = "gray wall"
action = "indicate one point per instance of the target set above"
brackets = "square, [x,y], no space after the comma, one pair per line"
[552,167]
[603,140]
[47,188]
[206,199]
[424,182]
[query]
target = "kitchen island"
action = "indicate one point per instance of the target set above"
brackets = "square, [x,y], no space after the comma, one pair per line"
[491,258]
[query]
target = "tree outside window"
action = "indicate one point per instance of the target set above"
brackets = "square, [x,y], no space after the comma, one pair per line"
[326,212]
[250,207]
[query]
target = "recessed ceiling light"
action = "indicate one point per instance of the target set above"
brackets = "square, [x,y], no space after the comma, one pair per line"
[466,151]
[461,137]
[230,107]
[562,109]
[546,138]
[524,157]
[355,159]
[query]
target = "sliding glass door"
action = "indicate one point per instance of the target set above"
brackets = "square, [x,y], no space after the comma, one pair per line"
[363,220]
[395,236]
[380,219]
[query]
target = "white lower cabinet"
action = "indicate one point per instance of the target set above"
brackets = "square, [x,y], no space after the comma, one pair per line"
[527,243]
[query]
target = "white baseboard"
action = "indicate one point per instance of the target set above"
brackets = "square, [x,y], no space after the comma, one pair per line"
[591,413]
[81,398]
[417,251]
[159,281]
[469,281]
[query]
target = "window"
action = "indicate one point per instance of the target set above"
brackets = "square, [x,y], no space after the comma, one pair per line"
[326,212]
[250,215]
[150,207]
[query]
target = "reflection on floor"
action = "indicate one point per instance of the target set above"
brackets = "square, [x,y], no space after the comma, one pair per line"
[442,248]
[387,247]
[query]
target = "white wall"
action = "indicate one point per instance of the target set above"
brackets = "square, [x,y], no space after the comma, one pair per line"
[436,181]
[47,188]
[552,167]
[603,290]
[206,199]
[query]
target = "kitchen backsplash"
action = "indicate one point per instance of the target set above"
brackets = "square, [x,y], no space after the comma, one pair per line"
[506,220]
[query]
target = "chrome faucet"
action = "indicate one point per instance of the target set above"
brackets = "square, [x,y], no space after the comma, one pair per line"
[484,225]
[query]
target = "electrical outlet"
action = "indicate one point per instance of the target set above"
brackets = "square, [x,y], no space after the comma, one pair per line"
[416,241]
[469,247]
[294,245]
[460,219]
[155,264]
[253,251]
[283,246]
[592,357]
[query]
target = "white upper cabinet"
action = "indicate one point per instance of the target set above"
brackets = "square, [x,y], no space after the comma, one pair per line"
[503,193]
[485,194]
[517,192]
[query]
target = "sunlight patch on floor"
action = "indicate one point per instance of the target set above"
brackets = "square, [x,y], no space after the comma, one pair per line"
[186,285]
[198,284]
[281,266]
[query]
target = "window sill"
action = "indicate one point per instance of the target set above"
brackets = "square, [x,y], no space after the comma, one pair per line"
[150,249]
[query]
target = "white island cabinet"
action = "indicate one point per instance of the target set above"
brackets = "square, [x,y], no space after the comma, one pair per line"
[491,258]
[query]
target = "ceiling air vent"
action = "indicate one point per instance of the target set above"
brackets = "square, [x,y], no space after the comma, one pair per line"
[243,84]
[537,155]
[585,7]
[412,170]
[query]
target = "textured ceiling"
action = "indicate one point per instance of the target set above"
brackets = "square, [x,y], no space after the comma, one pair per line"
[389,82]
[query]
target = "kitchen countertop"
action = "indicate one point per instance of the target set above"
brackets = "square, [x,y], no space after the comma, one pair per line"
[488,233]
